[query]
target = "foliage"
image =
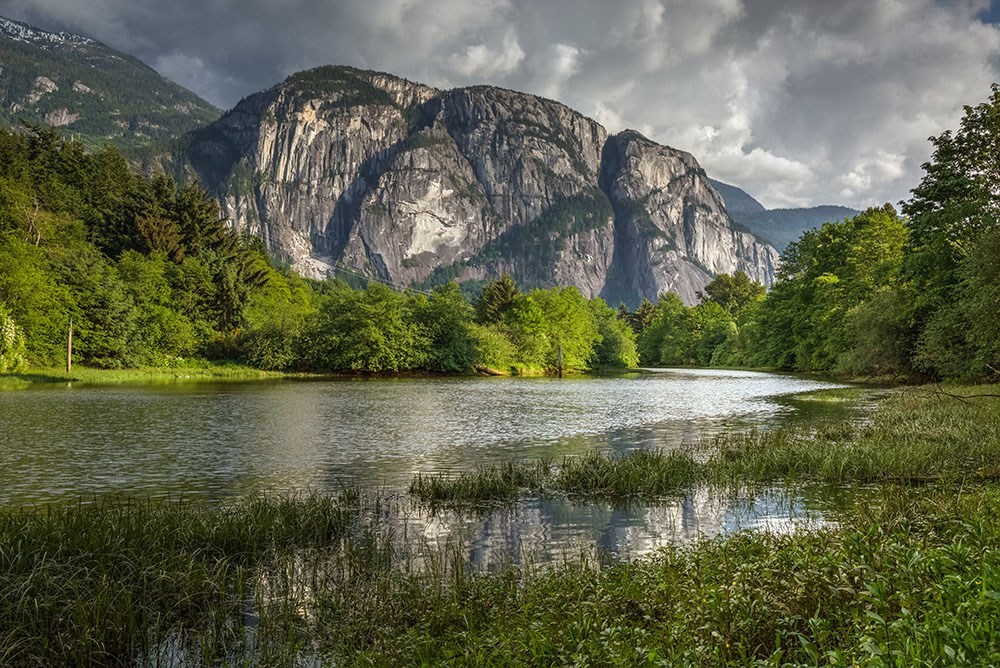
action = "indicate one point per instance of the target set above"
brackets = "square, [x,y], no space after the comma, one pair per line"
[876,294]
[12,348]
[146,269]
[448,317]
[617,347]
[373,330]
[810,318]
[733,292]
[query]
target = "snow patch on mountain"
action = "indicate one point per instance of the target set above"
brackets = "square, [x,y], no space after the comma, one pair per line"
[24,33]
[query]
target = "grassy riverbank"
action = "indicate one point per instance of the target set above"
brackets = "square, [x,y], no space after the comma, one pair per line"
[905,572]
[916,436]
[203,371]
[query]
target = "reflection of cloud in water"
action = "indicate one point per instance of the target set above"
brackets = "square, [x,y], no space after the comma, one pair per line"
[556,529]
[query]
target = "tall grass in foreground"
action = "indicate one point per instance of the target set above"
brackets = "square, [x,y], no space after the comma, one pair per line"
[911,578]
[114,582]
[910,581]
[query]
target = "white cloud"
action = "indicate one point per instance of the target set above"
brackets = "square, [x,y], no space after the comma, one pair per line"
[486,62]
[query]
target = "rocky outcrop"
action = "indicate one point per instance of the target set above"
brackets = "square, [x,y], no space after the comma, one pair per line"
[672,232]
[342,171]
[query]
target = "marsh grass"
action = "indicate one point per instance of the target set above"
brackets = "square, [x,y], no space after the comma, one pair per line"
[107,583]
[915,437]
[907,580]
[488,485]
[636,475]
[907,577]
[639,474]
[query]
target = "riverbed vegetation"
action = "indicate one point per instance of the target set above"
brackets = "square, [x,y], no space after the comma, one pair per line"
[904,572]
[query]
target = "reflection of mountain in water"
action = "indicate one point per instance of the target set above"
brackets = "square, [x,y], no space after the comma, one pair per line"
[557,529]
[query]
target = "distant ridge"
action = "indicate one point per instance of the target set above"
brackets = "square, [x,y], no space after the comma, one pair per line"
[97,94]
[778,227]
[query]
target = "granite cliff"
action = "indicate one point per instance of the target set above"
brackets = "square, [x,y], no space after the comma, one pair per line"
[345,171]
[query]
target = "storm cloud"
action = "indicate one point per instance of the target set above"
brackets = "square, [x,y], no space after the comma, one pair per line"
[799,103]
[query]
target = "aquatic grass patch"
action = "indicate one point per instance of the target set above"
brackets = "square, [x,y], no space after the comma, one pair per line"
[915,436]
[497,483]
[833,395]
[639,474]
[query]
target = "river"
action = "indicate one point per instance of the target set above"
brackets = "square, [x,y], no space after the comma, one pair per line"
[221,440]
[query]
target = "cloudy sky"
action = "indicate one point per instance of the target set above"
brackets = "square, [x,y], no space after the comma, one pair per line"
[798,102]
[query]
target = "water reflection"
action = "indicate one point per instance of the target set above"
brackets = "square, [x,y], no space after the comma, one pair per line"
[220,440]
[556,529]
[235,438]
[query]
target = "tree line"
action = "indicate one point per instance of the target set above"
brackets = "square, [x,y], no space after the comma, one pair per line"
[914,292]
[150,274]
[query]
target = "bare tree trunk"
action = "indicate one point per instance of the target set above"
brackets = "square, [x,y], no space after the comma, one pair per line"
[69,348]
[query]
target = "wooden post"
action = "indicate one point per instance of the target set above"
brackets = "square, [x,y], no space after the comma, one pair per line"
[69,348]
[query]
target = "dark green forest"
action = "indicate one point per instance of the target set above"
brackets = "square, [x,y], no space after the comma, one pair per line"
[150,275]
[910,293]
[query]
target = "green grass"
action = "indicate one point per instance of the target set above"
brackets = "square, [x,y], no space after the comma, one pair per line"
[488,485]
[105,583]
[638,475]
[206,371]
[907,577]
[916,436]
[910,581]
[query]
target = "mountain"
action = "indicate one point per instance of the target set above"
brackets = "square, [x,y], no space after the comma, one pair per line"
[95,93]
[344,171]
[779,227]
[738,201]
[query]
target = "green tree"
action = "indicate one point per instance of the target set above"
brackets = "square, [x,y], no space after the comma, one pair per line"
[373,331]
[805,322]
[570,325]
[497,298]
[616,347]
[955,201]
[12,348]
[733,292]
[447,319]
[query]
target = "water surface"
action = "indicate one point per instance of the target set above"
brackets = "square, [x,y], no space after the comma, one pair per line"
[222,440]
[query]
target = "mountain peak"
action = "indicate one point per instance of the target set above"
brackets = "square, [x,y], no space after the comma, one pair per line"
[22,32]
[98,94]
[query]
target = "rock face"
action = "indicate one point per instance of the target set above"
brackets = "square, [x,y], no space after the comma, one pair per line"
[342,171]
